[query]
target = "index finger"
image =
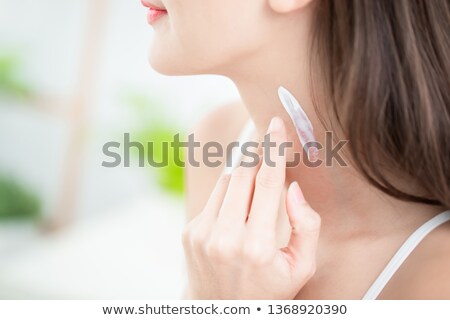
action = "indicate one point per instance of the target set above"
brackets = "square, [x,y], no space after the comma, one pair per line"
[269,181]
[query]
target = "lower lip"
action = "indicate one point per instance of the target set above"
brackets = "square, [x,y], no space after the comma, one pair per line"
[155,14]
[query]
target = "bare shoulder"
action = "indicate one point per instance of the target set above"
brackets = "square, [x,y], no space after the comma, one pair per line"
[222,125]
[426,272]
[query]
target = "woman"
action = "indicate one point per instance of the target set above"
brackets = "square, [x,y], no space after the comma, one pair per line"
[373,72]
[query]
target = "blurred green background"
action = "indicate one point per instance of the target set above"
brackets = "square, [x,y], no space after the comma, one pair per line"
[74,75]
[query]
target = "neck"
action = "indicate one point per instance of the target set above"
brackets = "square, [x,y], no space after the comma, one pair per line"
[347,203]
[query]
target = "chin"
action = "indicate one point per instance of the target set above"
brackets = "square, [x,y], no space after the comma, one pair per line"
[169,59]
[165,62]
[172,59]
[163,65]
[171,65]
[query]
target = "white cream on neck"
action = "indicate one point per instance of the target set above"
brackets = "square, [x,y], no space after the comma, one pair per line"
[301,122]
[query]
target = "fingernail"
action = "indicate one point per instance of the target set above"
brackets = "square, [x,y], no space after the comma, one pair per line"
[297,193]
[275,125]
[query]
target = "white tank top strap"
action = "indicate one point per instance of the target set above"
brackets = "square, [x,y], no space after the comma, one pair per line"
[405,250]
[236,154]
[400,256]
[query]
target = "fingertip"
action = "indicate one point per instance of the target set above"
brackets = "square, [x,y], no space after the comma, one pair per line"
[296,193]
[299,210]
[276,125]
[277,129]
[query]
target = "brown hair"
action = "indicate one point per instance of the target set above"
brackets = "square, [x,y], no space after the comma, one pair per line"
[386,69]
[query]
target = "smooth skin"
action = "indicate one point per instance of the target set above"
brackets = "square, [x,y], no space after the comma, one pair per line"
[231,246]
[260,45]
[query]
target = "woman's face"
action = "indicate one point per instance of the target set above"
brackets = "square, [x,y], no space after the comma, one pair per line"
[209,36]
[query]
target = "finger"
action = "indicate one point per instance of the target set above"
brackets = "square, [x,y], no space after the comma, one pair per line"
[305,224]
[269,181]
[238,198]
[215,200]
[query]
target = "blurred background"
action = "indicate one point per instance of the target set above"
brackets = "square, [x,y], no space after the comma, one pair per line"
[73,76]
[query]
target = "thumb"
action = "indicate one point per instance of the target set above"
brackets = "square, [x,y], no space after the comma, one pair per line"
[305,224]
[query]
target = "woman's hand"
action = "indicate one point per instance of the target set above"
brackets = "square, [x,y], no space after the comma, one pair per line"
[231,247]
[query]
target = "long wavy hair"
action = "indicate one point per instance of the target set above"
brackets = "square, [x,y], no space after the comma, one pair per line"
[385,66]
